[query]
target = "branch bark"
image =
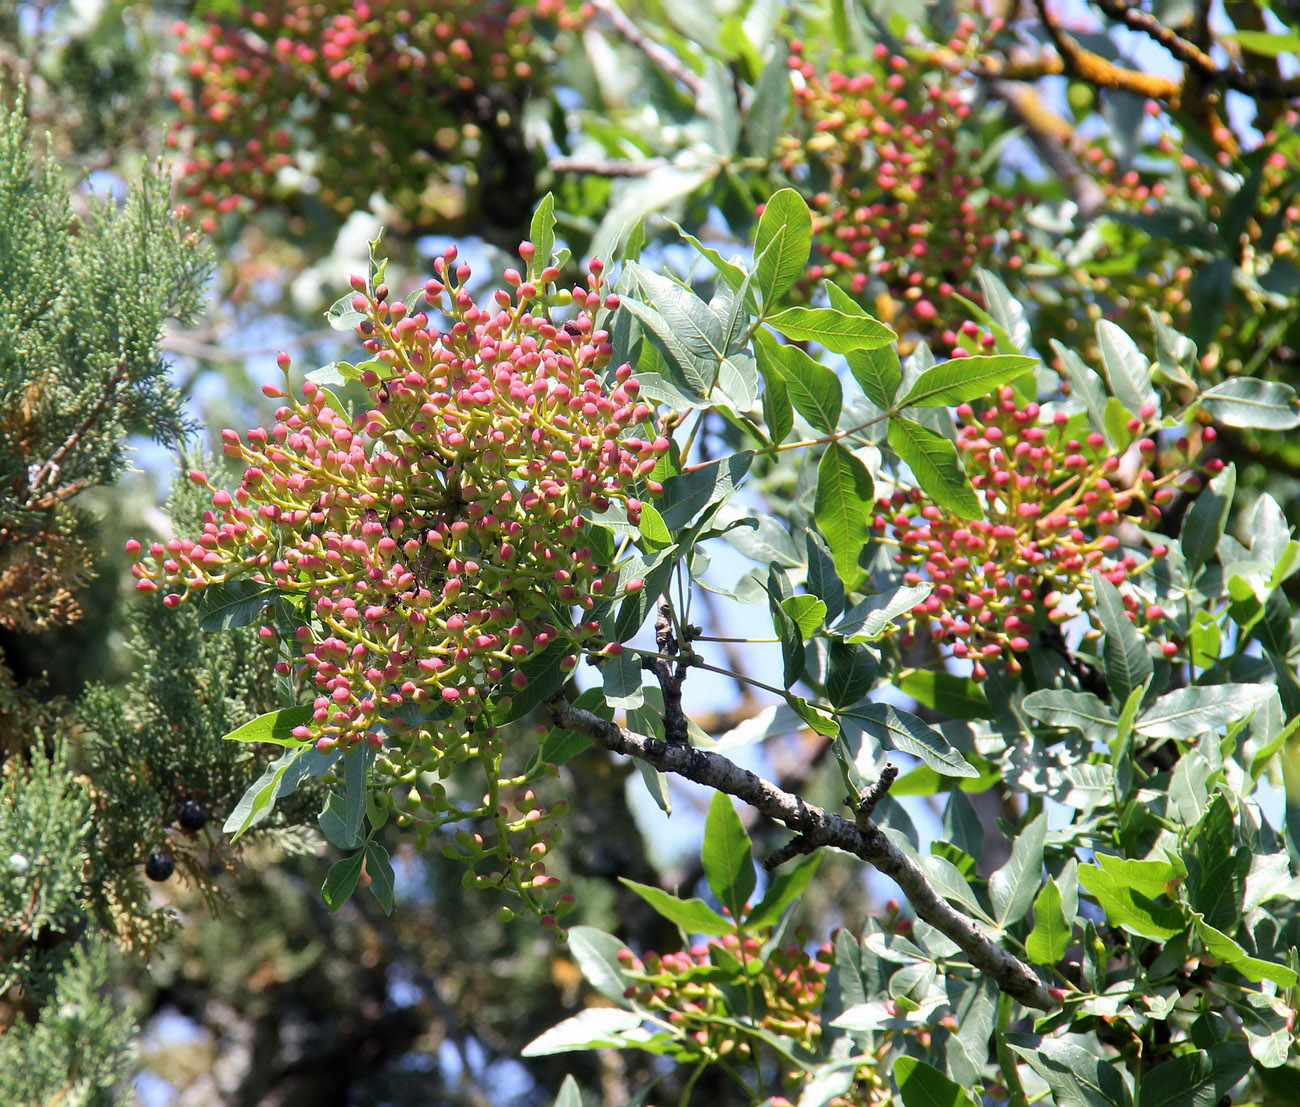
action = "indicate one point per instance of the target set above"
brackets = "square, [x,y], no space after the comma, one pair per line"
[817,828]
[1255,85]
[1097,71]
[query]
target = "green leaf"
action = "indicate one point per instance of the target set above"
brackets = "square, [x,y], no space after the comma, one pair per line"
[727,856]
[542,235]
[594,1028]
[334,826]
[1250,402]
[685,371]
[1127,369]
[570,1095]
[734,275]
[1187,712]
[692,323]
[685,496]
[965,378]
[1012,887]
[1216,867]
[234,603]
[878,372]
[1198,1079]
[959,697]
[833,329]
[621,679]
[1267,43]
[778,413]
[1080,711]
[823,581]
[868,620]
[933,461]
[380,870]
[597,956]
[842,508]
[341,880]
[922,1085]
[560,746]
[1130,908]
[792,642]
[812,388]
[545,678]
[342,316]
[637,605]
[356,773]
[1085,386]
[693,915]
[656,784]
[652,528]
[260,796]
[1124,654]
[818,718]
[1205,519]
[1077,1077]
[785,887]
[904,731]
[850,673]
[782,243]
[274,726]
[1047,942]
[806,612]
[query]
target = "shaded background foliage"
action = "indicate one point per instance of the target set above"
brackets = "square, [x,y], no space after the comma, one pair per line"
[1102,174]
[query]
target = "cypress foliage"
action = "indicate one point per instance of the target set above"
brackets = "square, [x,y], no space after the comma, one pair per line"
[90,791]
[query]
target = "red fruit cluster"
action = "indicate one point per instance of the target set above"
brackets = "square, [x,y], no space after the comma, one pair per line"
[689,985]
[902,207]
[433,544]
[1128,271]
[358,96]
[1054,498]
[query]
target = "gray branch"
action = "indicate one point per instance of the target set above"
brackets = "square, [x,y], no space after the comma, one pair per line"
[817,827]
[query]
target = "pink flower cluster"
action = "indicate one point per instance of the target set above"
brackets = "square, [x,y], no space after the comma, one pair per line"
[686,985]
[311,85]
[902,205]
[1053,503]
[432,544]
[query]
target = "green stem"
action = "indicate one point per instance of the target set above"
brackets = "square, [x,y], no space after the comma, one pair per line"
[1007,1057]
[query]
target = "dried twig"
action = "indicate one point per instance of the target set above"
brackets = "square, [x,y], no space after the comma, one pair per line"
[662,57]
[49,470]
[598,167]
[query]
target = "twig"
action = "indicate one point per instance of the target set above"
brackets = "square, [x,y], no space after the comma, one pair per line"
[869,799]
[819,828]
[1096,70]
[660,55]
[50,468]
[597,167]
[671,674]
[1255,85]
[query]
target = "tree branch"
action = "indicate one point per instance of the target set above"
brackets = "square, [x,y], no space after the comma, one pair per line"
[818,828]
[1255,85]
[599,167]
[1096,70]
[662,57]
